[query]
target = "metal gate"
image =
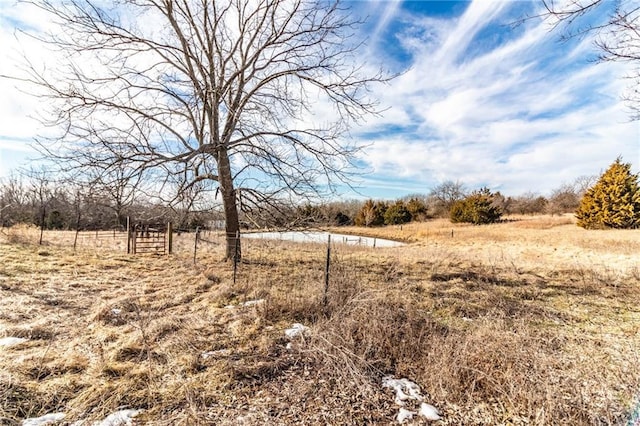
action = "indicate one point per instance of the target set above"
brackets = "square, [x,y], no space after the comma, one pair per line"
[151,239]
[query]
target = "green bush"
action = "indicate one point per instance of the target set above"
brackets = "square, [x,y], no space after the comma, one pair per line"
[477,208]
[417,208]
[397,214]
[613,202]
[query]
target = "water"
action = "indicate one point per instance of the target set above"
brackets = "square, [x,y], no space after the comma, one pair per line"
[321,237]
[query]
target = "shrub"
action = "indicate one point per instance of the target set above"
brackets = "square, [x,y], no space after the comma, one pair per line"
[54,220]
[478,208]
[613,202]
[397,214]
[371,213]
[564,199]
[417,208]
[342,219]
[529,203]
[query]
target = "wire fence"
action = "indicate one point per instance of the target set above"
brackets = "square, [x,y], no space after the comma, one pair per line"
[203,247]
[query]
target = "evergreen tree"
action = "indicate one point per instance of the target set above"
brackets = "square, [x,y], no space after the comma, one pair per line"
[371,213]
[417,208]
[397,214]
[478,208]
[613,202]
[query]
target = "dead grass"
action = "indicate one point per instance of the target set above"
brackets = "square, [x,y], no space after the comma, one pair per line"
[491,337]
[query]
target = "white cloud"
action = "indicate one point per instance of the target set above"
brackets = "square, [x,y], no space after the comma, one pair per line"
[477,16]
[18,110]
[389,12]
[524,114]
[527,114]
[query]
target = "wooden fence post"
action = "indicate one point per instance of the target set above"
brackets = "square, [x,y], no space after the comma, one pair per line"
[326,272]
[75,238]
[128,236]
[170,237]
[42,218]
[134,239]
[195,244]
[235,256]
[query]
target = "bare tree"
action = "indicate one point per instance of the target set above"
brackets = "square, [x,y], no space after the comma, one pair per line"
[221,90]
[189,201]
[582,183]
[563,199]
[114,187]
[445,195]
[14,200]
[529,203]
[41,190]
[616,25]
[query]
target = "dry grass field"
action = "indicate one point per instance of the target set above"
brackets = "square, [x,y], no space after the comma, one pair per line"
[529,322]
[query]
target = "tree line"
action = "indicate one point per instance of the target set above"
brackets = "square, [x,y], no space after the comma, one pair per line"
[33,197]
[611,200]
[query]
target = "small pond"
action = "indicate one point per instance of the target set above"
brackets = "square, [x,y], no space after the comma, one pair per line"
[321,237]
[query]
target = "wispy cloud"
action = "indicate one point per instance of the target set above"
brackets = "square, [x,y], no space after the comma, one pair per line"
[388,14]
[479,101]
[521,113]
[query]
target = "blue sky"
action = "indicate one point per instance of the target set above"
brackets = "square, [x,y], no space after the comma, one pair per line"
[478,100]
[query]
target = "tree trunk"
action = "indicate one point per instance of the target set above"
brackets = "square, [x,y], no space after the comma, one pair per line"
[232,222]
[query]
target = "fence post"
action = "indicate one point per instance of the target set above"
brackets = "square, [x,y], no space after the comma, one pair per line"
[170,237]
[134,240]
[128,236]
[326,272]
[75,238]
[235,256]
[195,244]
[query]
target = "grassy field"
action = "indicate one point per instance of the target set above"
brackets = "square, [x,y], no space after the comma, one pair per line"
[529,322]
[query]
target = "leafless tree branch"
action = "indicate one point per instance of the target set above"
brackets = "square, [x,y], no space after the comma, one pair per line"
[189,91]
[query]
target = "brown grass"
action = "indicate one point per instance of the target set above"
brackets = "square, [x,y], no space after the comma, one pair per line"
[493,323]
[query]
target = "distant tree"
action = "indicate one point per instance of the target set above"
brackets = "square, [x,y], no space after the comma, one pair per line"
[14,201]
[115,187]
[309,215]
[529,203]
[613,202]
[477,208]
[417,208]
[55,220]
[349,208]
[371,213]
[502,202]
[445,195]
[41,194]
[583,183]
[342,219]
[397,214]
[563,199]
[189,203]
